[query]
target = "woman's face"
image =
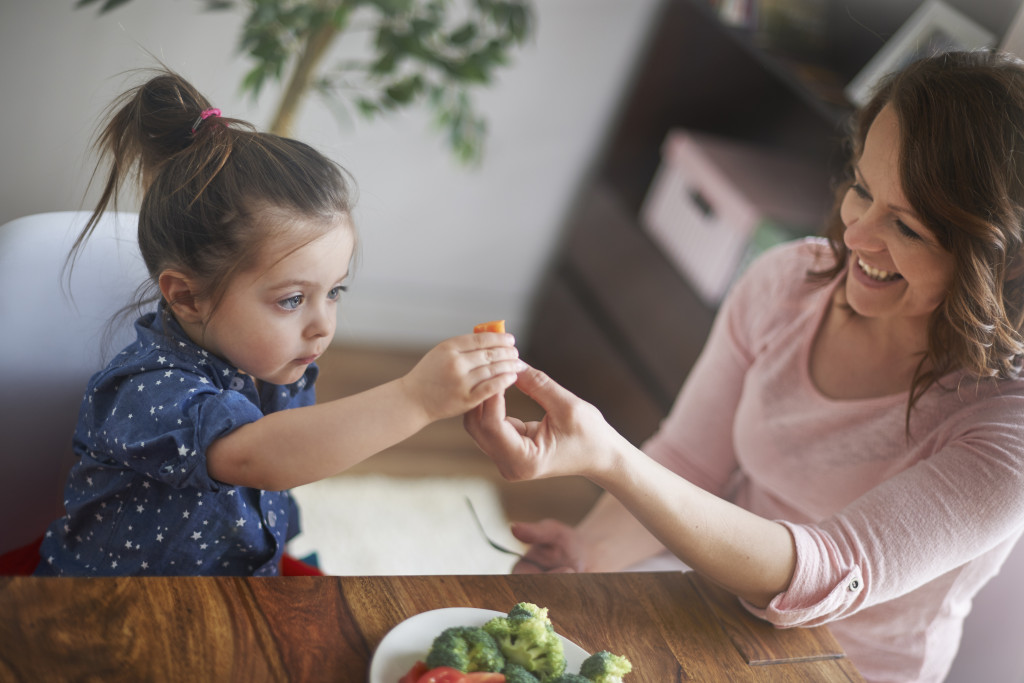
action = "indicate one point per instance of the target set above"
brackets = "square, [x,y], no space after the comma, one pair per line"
[897,269]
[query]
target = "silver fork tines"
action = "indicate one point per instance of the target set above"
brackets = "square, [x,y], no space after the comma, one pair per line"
[494,544]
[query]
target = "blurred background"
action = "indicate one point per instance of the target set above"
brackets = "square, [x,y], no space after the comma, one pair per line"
[443,245]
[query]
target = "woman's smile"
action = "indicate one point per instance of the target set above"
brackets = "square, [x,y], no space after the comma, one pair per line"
[877,274]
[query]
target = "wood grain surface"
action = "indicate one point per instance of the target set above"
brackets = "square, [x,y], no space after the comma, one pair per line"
[672,626]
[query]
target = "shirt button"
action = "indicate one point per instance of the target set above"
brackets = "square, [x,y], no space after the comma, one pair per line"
[854,586]
[236,383]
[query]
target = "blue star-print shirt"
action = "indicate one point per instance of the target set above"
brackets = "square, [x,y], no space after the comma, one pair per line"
[139,499]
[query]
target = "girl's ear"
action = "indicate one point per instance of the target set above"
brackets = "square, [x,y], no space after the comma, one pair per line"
[179,291]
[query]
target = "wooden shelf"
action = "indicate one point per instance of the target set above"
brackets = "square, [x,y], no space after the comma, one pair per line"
[615,322]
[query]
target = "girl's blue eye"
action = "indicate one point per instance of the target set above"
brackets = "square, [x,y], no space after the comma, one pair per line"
[336,291]
[291,303]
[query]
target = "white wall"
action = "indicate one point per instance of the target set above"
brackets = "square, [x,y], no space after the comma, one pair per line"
[443,246]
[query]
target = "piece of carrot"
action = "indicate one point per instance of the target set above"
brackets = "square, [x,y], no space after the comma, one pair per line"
[492,326]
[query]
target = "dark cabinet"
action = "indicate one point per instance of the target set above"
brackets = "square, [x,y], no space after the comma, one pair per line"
[614,321]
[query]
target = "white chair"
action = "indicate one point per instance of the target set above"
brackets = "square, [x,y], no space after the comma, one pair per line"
[52,336]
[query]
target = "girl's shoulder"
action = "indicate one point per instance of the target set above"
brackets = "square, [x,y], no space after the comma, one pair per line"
[158,353]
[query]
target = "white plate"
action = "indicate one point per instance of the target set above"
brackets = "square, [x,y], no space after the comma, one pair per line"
[410,641]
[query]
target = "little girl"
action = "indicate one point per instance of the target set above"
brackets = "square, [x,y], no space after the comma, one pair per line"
[188,441]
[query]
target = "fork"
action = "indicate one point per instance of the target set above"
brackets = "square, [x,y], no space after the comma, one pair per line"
[497,546]
[483,532]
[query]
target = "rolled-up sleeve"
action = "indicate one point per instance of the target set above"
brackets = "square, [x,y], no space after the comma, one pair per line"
[930,519]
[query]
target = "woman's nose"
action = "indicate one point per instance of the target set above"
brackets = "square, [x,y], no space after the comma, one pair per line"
[864,231]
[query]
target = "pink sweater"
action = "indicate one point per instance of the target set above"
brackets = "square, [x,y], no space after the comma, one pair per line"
[893,538]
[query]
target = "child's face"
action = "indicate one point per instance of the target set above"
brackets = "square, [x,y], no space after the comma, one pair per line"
[279,316]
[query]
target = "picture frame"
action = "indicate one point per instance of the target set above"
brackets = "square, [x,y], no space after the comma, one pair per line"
[1013,39]
[932,29]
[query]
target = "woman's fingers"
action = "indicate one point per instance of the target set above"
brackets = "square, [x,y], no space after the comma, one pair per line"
[549,394]
[551,547]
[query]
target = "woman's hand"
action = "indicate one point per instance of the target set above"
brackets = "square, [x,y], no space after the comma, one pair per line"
[554,548]
[459,373]
[572,438]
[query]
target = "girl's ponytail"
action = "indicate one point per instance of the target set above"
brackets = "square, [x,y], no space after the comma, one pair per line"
[207,180]
[149,125]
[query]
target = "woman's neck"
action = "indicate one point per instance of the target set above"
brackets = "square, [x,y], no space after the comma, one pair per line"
[855,357]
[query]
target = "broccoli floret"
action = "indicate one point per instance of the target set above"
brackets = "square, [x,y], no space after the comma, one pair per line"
[466,648]
[526,637]
[604,667]
[517,674]
[572,678]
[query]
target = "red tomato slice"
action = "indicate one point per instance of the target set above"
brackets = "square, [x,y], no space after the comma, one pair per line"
[413,675]
[443,674]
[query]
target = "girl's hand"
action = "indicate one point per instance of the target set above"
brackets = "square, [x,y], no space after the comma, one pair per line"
[572,438]
[554,548]
[459,373]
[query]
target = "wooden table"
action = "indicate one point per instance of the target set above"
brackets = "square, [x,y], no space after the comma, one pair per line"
[672,626]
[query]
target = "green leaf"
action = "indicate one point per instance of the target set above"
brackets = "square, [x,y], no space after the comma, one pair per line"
[405,90]
[218,5]
[385,65]
[368,108]
[108,5]
[463,35]
[252,82]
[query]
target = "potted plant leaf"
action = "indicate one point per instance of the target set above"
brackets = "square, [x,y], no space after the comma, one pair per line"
[429,51]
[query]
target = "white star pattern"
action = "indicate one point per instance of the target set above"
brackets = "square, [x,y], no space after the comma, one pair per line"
[192,523]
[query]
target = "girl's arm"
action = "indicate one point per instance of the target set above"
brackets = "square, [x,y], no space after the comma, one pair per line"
[302,445]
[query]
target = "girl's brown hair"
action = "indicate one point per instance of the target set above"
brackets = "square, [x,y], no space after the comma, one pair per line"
[207,182]
[961,157]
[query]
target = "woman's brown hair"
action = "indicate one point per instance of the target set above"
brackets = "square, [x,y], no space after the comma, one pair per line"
[208,181]
[961,157]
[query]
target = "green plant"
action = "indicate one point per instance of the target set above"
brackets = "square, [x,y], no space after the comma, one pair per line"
[432,51]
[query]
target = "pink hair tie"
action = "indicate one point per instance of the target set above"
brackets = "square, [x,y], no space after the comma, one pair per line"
[206,113]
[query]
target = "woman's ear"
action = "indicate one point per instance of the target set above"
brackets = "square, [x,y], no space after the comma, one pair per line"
[180,293]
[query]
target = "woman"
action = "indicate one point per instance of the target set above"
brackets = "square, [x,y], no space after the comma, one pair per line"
[849,448]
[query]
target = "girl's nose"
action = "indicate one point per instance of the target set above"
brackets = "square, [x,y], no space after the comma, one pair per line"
[322,322]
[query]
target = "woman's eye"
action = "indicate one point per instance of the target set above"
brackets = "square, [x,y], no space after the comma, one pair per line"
[336,291]
[906,231]
[859,190]
[291,303]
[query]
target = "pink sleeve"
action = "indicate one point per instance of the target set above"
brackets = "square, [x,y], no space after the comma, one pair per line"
[696,439]
[958,504]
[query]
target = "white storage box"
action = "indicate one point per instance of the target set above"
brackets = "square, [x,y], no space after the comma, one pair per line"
[711,196]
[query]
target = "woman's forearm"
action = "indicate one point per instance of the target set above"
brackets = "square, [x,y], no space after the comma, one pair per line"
[613,538]
[746,554]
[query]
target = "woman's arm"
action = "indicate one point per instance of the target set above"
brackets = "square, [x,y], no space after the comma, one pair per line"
[302,445]
[750,556]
